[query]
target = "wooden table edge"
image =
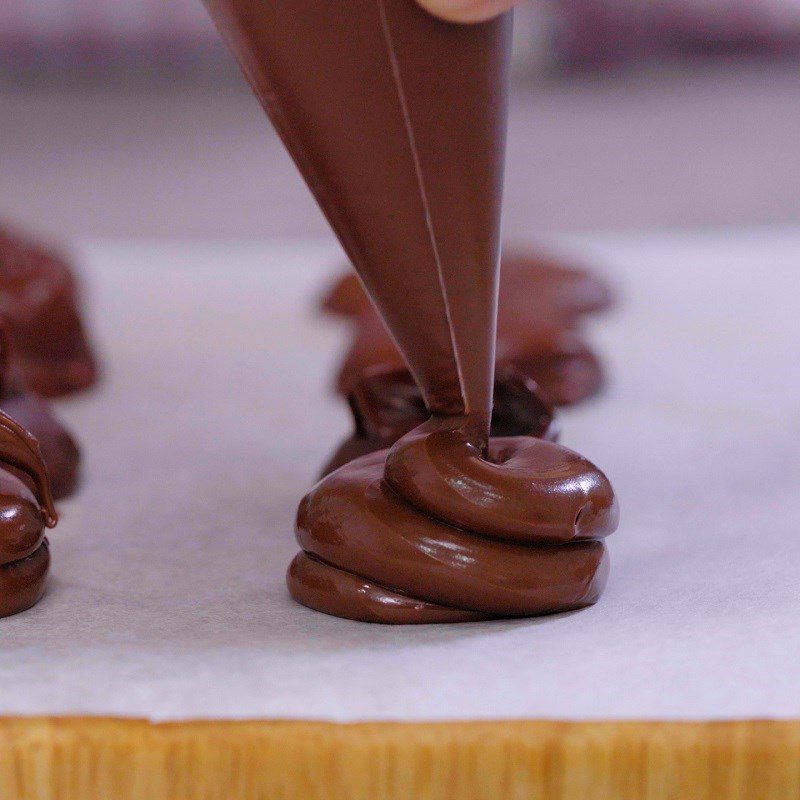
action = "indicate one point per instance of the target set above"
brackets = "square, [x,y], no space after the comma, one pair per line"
[83,758]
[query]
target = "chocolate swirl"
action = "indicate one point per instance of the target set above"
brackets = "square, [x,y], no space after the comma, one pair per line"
[433,530]
[24,514]
[455,525]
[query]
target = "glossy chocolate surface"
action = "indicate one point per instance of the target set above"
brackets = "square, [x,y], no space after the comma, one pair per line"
[59,449]
[39,303]
[371,553]
[24,514]
[22,582]
[397,122]
[386,404]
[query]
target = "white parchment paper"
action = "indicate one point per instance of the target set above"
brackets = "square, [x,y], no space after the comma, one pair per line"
[167,597]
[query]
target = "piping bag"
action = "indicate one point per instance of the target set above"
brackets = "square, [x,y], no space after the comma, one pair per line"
[396,120]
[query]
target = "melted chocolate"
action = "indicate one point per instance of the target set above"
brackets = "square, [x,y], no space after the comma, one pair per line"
[24,514]
[376,550]
[59,450]
[22,582]
[397,122]
[39,302]
[387,404]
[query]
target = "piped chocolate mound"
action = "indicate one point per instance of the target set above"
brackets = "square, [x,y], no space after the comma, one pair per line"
[436,531]
[39,300]
[26,509]
[387,404]
[541,308]
[433,530]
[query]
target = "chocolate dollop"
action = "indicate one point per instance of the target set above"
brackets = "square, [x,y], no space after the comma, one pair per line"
[436,531]
[39,300]
[531,285]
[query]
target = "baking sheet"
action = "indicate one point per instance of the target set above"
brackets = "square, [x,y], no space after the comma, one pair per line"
[167,598]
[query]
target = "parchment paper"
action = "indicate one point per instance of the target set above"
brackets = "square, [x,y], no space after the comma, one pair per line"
[167,598]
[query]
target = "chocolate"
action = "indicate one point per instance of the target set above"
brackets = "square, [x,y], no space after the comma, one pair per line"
[387,404]
[541,305]
[397,122]
[566,370]
[39,302]
[59,450]
[376,546]
[525,277]
[26,508]
[22,582]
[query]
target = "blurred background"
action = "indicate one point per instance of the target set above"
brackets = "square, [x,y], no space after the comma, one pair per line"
[126,118]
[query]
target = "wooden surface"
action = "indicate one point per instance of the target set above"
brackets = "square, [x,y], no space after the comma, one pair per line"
[113,759]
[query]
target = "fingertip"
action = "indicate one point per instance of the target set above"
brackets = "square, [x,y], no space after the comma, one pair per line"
[466,11]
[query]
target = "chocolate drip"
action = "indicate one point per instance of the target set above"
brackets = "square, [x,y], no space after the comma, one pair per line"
[19,449]
[59,449]
[397,122]
[24,553]
[38,303]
